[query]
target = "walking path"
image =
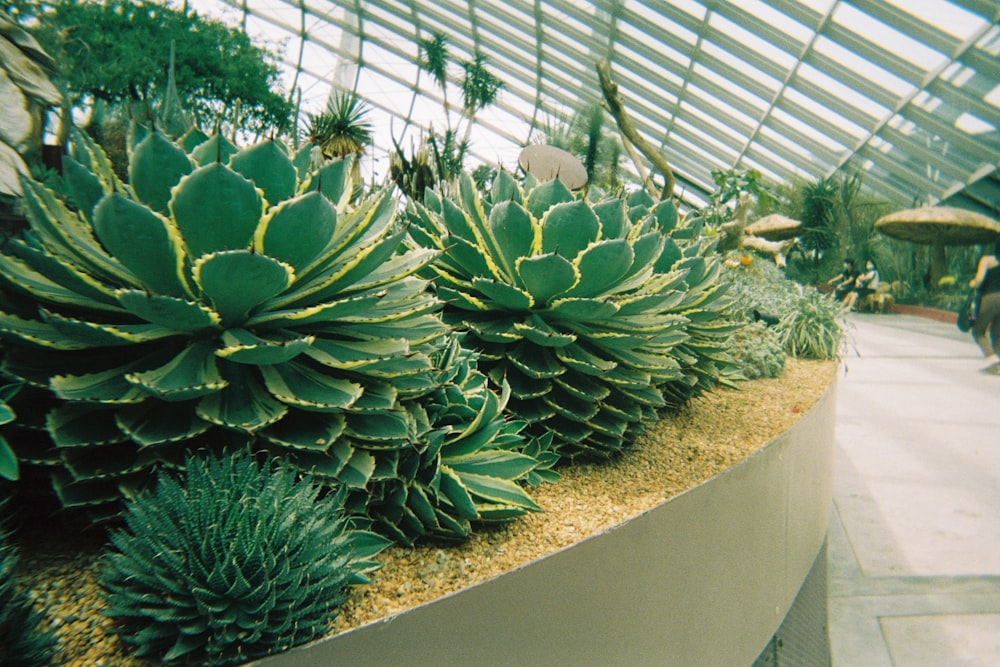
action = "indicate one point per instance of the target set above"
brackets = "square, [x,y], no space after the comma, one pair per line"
[914,540]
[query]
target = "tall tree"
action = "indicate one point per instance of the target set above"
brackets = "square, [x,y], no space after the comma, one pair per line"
[118,51]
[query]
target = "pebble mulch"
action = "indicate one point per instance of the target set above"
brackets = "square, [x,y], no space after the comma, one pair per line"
[58,564]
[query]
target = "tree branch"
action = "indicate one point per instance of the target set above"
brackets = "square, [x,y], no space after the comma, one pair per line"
[617,109]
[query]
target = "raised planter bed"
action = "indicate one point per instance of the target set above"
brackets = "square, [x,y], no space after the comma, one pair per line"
[704,578]
[923,311]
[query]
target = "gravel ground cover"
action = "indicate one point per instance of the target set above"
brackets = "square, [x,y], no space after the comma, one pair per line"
[713,432]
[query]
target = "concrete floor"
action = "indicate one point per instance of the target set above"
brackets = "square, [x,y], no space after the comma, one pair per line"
[914,540]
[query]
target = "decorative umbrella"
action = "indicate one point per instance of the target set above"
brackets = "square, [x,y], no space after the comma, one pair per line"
[939,226]
[548,162]
[775,227]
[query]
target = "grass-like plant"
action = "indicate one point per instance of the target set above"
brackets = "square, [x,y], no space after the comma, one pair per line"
[814,327]
[235,560]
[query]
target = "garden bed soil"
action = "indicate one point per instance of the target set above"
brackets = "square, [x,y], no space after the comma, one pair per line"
[712,433]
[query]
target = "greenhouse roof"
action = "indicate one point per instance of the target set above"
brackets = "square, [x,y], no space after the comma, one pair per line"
[907,91]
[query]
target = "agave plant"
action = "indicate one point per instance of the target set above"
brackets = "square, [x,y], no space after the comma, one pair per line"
[235,561]
[215,301]
[470,468]
[580,309]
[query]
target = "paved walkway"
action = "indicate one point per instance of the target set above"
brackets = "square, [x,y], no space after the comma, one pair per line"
[914,542]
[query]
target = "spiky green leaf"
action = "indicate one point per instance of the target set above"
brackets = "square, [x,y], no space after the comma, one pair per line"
[239,281]
[269,167]
[568,228]
[244,405]
[216,209]
[546,276]
[245,347]
[297,230]
[304,387]
[504,296]
[156,165]
[168,311]
[191,374]
[216,148]
[143,241]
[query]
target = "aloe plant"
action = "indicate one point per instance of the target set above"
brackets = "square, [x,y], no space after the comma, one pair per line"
[25,641]
[216,299]
[232,562]
[580,309]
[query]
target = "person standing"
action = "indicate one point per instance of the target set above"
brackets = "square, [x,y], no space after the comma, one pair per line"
[986,327]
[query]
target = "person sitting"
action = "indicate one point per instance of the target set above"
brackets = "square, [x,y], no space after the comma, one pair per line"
[866,283]
[843,282]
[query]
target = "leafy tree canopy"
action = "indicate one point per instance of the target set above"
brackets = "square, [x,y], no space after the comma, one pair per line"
[119,51]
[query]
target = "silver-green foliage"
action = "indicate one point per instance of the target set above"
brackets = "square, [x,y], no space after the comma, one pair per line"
[757,351]
[578,307]
[222,297]
[814,328]
[232,562]
[810,324]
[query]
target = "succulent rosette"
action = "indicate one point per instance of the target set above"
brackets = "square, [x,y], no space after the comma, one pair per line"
[583,307]
[219,297]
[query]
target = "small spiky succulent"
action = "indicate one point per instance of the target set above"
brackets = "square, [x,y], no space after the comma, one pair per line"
[23,641]
[590,311]
[234,561]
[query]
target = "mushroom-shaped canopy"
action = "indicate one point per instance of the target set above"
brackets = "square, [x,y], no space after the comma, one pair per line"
[939,226]
[547,162]
[775,227]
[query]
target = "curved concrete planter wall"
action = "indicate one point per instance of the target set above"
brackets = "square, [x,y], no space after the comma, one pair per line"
[703,579]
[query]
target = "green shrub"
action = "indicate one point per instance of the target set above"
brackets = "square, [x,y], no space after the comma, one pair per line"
[234,561]
[223,296]
[813,327]
[23,642]
[758,351]
[809,324]
[589,314]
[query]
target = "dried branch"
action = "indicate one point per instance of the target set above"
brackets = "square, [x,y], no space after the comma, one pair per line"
[617,109]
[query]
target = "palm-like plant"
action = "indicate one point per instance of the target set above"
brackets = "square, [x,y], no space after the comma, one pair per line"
[577,307]
[217,300]
[343,129]
[433,59]
[480,88]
